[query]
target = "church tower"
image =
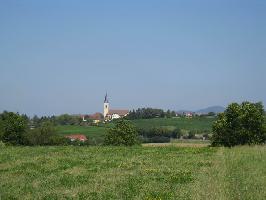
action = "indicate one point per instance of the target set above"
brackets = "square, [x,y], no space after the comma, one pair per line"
[105,106]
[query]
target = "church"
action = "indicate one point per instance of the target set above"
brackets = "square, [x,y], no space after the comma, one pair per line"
[112,114]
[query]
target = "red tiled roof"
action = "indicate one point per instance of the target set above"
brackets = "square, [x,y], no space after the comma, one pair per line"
[96,116]
[79,137]
[119,112]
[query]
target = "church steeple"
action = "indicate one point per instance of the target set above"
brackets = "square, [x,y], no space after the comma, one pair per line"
[105,106]
[105,98]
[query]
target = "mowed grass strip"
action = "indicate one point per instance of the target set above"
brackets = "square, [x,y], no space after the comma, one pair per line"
[132,173]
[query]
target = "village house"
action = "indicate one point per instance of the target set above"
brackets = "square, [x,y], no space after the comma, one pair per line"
[77,137]
[96,117]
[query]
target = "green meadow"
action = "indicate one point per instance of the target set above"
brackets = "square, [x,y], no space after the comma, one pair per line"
[99,172]
[195,123]
[96,133]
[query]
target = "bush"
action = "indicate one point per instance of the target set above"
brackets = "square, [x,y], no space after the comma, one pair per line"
[44,135]
[158,134]
[12,127]
[239,125]
[176,133]
[124,133]
[191,134]
[155,139]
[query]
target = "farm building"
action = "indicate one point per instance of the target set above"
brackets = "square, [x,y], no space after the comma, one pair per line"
[77,137]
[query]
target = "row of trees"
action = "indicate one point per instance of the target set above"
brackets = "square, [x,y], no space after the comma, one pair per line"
[148,113]
[64,119]
[124,130]
[240,124]
[156,135]
[15,130]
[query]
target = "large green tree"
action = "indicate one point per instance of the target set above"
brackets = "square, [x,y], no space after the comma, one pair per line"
[13,127]
[240,124]
[123,133]
[43,135]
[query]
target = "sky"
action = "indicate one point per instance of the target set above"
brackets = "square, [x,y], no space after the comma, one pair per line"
[63,56]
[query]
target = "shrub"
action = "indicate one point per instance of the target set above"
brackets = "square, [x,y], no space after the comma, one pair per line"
[158,134]
[239,125]
[176,133]
[154,139]
[206,136]
[191,134]
[44,135]
[124,133]
[13,127]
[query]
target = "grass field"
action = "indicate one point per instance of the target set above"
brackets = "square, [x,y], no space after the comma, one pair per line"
[132,173]
[197,123]
[94,133]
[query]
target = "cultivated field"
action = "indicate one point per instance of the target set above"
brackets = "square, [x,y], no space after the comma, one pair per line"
[132,172]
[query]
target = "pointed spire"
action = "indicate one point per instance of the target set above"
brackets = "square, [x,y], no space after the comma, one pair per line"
[106,99]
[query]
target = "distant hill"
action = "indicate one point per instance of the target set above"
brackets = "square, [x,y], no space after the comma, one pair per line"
[215,109]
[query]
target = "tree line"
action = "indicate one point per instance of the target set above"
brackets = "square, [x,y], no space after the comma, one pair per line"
[148,113]
[240,124]
[16,129]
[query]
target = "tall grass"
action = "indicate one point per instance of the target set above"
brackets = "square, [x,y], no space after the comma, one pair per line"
[132,173]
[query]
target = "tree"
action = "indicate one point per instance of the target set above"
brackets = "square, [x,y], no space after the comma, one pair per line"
[173,114]
[13,127]
[168,114]
[192,134]
[211,114]
[176,133]
[43,135]
[239,125]
[124,133]
[145,113]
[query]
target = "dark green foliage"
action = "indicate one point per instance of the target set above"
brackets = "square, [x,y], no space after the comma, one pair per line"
[157,131]
[123,133]
[44,135]
[211,114]
[239,124]
[158,135]
[155,139]
[12,127]
[146,113]
[168,114]
[191,134]
[149,113]
[64,119]
[176,133]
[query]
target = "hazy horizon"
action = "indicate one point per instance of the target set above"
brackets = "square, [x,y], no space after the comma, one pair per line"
[63,56]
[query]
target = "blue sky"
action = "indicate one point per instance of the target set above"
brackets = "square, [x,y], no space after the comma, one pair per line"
[62,56]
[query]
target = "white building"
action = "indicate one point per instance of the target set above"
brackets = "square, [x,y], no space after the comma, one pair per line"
[112,114]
